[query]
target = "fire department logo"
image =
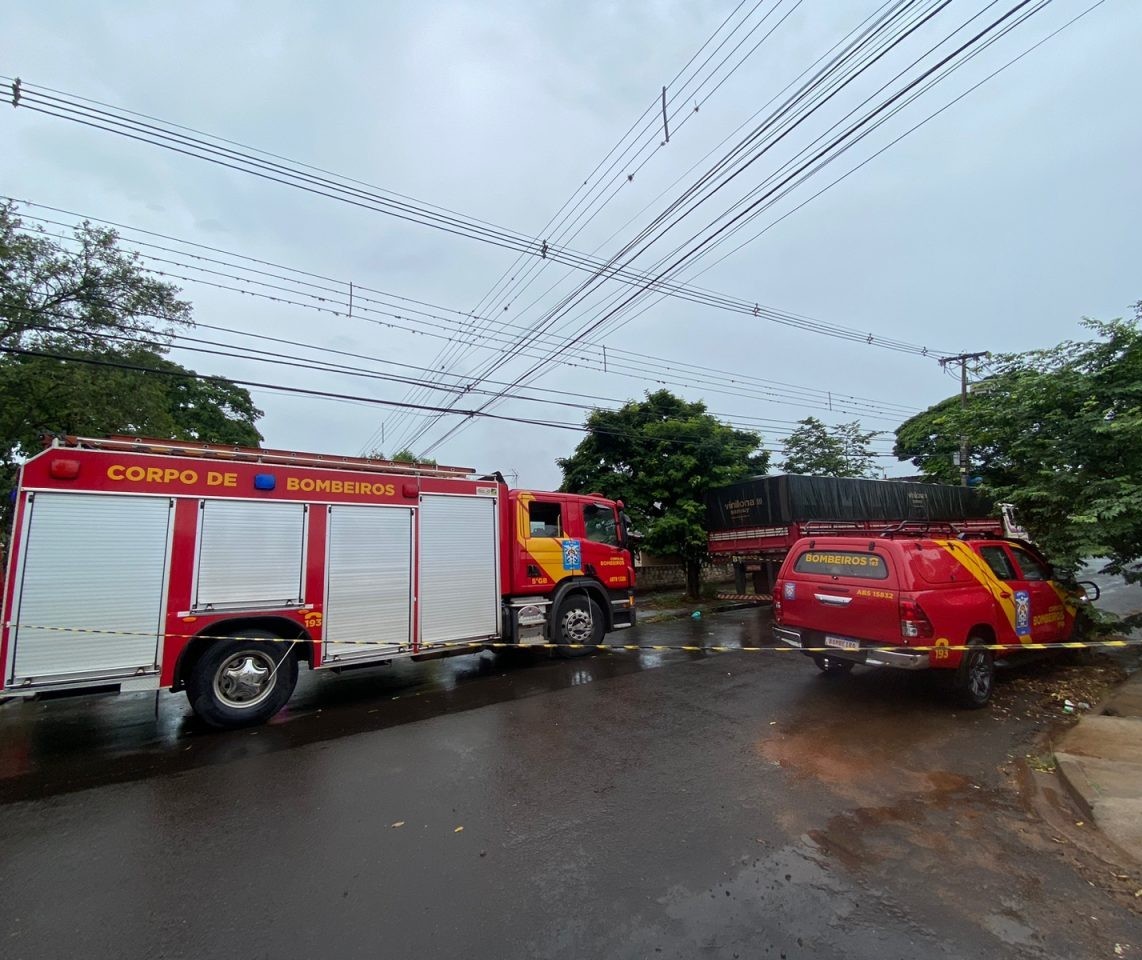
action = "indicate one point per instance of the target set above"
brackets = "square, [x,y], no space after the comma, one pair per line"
[1022,613]
[790,590]
[572,555]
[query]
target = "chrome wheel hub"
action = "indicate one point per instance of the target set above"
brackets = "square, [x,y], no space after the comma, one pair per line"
[244,680]
[577,626]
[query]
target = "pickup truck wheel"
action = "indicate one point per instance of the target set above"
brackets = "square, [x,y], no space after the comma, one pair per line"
[579,621]
[239,683]
[975,676]
[832,666]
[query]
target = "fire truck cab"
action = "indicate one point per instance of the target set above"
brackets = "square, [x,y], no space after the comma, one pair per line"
[145,564]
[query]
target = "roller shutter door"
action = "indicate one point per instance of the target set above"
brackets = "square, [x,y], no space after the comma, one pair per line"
[459,570]
[368,597]
[92,584]
[250,554]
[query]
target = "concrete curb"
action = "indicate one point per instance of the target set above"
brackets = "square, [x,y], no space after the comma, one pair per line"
[1074,778]
[1099,763]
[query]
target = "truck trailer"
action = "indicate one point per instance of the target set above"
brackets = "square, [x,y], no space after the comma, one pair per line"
[755,522]
[149,564]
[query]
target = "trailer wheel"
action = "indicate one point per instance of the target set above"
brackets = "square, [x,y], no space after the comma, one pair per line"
[975,676]
[579,621]
[239,683]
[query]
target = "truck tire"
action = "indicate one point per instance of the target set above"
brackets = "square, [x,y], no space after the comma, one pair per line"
[975,676]
[579,621]
[243,682]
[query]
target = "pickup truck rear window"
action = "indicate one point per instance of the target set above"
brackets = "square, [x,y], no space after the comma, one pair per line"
[843,563]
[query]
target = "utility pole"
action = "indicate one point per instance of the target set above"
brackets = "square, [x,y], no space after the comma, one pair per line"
[962,359]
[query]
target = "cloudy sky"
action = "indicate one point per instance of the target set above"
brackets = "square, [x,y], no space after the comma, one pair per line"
[994,226]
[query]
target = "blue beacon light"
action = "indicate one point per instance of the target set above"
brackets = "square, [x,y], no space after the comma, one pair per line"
[265,481]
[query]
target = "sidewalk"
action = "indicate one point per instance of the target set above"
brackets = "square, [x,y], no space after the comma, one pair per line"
[1100,761]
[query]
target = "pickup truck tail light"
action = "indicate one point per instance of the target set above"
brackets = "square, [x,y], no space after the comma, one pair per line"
[914,621]
[777,614]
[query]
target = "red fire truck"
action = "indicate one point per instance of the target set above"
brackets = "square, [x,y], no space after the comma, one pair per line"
[146,564]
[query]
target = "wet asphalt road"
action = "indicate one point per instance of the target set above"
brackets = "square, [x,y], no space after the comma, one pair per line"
[649,805]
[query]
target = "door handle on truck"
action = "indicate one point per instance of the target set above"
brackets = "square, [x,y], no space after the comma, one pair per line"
[833,600]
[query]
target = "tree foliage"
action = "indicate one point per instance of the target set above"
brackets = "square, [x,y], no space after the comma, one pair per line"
[82,289]
[401,456]
[660,456]
[39,394]
[73,314]
[1057,432]
[819,451]
[407,456]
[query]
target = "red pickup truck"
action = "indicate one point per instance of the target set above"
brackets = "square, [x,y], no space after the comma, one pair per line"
[909,600]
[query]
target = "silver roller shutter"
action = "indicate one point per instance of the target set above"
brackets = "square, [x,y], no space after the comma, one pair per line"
[459,568]
[368,597]
[94,569]
[250,553]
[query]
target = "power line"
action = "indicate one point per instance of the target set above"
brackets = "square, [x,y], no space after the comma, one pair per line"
[330,299]
[451,355]
[545,324]
[200,345]
[723,180]
[332,395]
[690,253]
[52,105]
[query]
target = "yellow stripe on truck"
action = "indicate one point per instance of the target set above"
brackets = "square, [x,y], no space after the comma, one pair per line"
[547,552]
[975,565]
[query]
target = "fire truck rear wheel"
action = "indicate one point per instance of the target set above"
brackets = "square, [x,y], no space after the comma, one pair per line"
[239,683]
[579,621]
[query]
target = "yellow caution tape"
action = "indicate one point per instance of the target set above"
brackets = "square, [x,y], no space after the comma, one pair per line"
[940,646]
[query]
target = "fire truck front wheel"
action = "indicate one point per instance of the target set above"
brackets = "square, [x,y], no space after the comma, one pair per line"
[579,627]
[238,683]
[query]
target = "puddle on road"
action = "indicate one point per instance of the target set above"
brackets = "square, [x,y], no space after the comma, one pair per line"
[785,904]
[1010,930]
[72,744]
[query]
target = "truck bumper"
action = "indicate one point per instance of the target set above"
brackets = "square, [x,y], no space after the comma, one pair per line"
[873,657]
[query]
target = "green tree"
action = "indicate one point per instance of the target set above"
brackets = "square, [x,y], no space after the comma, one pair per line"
[1057,432]
[819,451]
[407,456]
[49,290]
[75,314]
[660,456]
[401,456]
[44,394]
[931,440]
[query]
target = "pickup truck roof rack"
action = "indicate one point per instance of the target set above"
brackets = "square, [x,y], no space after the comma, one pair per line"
[961,531]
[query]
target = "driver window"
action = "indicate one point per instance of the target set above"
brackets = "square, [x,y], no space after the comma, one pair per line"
[545,519]
[1000,563]
[599,524]
[1032,568]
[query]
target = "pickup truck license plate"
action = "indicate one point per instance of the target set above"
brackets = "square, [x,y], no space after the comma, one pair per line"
[842,643]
